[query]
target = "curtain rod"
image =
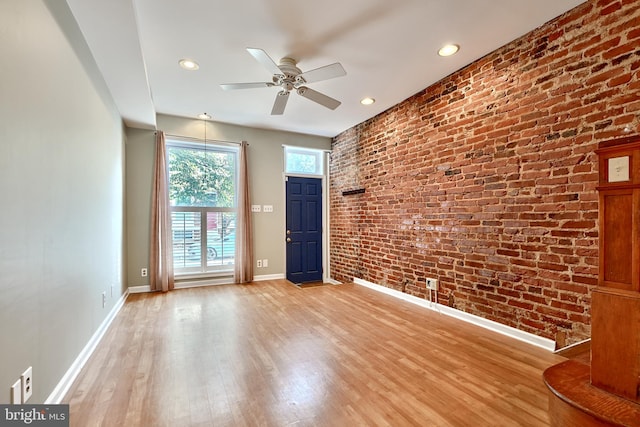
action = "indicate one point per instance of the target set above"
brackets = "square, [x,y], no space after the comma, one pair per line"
[202,139]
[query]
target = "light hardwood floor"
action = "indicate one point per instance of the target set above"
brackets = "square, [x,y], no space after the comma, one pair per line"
[272,354]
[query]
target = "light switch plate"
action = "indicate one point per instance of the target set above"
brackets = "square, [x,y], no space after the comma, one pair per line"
[267,208]
[16,393]
[255,208]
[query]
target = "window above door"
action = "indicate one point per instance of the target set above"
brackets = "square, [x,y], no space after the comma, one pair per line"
[303,161]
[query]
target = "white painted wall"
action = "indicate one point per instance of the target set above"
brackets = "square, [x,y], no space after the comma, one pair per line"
[61,194]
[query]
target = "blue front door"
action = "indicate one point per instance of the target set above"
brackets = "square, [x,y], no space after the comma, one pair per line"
[304,229]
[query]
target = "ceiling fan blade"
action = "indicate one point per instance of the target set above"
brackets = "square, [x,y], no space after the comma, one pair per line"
[281,101]
[266,61]
[318,97]
[323,73]
[230,86]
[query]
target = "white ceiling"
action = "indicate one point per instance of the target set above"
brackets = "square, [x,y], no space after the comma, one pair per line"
[388,49]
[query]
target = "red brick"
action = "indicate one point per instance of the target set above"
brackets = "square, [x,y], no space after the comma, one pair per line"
[611,8]
[603,47]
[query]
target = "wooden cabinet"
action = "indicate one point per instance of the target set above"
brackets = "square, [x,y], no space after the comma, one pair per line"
[615,304]
[619,193]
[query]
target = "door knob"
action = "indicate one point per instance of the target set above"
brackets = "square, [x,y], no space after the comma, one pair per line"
[288,231]
[288,239]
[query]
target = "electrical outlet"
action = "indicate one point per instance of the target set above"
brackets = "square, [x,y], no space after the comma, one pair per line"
[265,263]
[16,393]
[143,272]
[432,284]
[27,384]
[259,263]
[104,299]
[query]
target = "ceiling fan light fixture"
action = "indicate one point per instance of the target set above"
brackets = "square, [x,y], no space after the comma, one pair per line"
[188,64]
[367,101]
[204,116]
[449,49]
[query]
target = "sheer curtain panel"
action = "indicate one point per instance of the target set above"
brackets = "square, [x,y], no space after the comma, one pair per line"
[243,272]
[161,258]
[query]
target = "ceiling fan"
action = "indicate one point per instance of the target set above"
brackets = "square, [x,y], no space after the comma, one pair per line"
[289,77]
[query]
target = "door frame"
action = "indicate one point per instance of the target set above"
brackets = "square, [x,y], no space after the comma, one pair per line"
[326,272]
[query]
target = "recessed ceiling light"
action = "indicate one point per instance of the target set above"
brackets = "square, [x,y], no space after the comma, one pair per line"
[367,101]
[204,116]
[448,50]
[189,64]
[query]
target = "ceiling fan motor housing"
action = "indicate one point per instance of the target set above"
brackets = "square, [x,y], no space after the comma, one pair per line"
[289,79]
[288,67]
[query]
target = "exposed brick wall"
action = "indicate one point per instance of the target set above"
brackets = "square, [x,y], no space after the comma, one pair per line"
[487,179]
